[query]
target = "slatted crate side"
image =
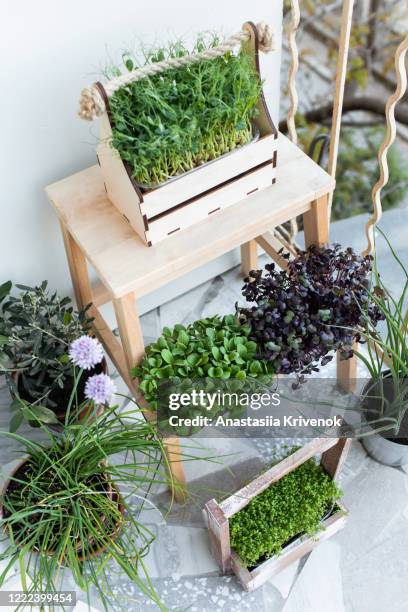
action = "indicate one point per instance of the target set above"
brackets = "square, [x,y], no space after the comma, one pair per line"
[218,528]
[208,176]
[253,579]
[216,200]
[119,187]
[333,459]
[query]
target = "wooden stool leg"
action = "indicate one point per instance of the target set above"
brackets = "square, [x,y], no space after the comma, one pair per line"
[316,227]
[78,268]
[249,257]
[316,222]
[347,372]
[131,334]
[174,455]
[130,329]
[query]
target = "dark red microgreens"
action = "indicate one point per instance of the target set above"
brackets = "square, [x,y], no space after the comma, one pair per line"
[311,309]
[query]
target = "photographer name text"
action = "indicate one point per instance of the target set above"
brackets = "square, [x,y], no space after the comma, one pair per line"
[249,421]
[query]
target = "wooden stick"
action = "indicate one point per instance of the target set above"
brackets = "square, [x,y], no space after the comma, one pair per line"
[341,73]
[294,66]
[294,99]
[272,245]
[388,141]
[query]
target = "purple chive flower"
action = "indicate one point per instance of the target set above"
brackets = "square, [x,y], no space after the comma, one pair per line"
[100,388]
[86,352]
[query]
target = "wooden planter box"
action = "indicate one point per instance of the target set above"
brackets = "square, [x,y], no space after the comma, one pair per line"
[158,213]
[217,515]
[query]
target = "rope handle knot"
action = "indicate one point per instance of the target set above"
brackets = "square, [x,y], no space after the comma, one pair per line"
[265,37]
[92,105]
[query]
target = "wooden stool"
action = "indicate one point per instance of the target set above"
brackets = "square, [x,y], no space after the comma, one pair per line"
[95,233]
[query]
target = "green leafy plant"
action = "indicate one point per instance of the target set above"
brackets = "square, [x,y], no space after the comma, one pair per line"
[36,327]
[214,348]
[292,506]
[69,504]
[174,121]
[357,171]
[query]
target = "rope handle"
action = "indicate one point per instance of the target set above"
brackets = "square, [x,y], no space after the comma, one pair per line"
[388,141]
[92,105]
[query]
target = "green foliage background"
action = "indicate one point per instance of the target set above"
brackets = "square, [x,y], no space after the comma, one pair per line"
[357,170]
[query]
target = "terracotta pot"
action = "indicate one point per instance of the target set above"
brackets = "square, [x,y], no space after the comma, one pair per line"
[61,414]
[112,493]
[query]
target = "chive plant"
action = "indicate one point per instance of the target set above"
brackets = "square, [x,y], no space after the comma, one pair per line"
[69,505]
[386,355]
[172,122]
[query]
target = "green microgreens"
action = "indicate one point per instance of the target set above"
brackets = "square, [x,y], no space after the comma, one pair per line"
[215,348]
[292,506]
[172,122]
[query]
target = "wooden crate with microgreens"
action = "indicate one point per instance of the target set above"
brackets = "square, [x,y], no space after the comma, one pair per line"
[185,133]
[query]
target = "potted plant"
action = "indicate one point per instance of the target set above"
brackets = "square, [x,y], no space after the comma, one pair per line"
[36,328]
[385,396]
[216,350]
[67,504]
[302,315]
[280,515]
[184,132]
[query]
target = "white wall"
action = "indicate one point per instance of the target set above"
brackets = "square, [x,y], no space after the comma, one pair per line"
[49,50]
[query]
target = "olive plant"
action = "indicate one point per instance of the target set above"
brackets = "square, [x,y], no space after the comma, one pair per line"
[36,328]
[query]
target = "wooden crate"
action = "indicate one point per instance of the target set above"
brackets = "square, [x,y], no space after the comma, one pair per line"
[161,212]
[217,515]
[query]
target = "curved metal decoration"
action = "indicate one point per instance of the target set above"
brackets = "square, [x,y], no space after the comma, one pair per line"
[293,69]
[388,141]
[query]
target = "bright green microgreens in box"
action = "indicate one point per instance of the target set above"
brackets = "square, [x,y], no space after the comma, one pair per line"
[293,505]
[214,347]
[174,121]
